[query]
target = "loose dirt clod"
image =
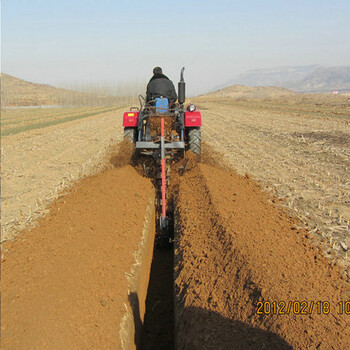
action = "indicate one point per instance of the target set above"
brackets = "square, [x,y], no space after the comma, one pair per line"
[119,155]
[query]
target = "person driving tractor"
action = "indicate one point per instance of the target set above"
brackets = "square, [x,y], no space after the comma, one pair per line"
[160,86]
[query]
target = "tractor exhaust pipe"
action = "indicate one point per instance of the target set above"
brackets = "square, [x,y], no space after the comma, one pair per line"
[181,88]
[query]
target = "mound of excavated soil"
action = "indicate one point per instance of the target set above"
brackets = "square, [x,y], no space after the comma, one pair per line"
[234,249]
[155,126]
[299,148]
[64,282]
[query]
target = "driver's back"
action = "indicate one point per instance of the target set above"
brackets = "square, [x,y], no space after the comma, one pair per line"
[161,86]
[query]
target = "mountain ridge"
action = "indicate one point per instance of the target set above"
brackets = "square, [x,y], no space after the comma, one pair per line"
[311,78]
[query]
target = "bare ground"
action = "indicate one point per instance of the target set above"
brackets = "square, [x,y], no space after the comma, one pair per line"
[298,148]
[37,165]
[234,247]
[66,283]
[300,152]
[234,250]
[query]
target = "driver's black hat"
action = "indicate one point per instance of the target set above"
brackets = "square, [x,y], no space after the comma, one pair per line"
[157,70]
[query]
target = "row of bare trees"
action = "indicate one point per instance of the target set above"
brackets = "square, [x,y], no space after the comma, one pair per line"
[97,94]
[74,94]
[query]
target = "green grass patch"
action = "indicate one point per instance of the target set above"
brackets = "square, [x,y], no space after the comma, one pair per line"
[17,130]
[54,114]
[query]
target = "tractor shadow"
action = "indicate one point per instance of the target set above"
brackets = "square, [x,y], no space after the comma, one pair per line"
[157,330]
[204,329]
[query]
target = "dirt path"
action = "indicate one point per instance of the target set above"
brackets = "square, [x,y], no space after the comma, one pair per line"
[37,165]
[302,157]
[236,249]
[64,284]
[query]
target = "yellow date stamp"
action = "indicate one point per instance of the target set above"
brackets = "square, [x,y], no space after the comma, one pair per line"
[320,307]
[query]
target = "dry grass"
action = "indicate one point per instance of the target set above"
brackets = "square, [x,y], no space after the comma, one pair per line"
[307,105]
[242,91]
[17,92]
[37,166]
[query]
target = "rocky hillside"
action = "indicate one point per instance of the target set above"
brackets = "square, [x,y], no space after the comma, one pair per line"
[312,78]
[324,80]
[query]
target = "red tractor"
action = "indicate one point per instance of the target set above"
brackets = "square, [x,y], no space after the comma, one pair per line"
[164,131]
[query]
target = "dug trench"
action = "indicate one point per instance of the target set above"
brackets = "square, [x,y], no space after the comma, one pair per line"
[247,275]
[83,277]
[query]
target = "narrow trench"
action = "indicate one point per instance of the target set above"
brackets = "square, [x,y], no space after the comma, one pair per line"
[158,326]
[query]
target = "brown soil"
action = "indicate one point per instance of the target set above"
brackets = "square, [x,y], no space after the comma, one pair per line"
[169,126]
[234,248]
[298,148]
[64,283]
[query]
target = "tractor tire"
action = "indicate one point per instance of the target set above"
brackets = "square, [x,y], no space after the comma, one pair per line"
[194,141]
[129,134]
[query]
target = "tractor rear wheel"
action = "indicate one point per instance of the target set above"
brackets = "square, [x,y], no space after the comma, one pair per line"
[129,134]
[194,140]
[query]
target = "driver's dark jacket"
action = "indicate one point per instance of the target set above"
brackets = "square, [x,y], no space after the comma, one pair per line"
[160,85]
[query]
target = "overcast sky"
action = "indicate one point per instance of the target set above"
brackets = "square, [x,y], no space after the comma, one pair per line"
[58,41]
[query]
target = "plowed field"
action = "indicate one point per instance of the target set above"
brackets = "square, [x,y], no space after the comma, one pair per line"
[299,149]
[245,272]
[246,276]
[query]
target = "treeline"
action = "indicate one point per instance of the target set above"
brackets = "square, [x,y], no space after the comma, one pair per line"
[95,94]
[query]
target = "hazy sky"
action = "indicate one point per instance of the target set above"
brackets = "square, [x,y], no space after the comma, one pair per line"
[58,41]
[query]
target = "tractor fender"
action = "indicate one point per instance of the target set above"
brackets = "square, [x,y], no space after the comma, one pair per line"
[193,119]
[131,119]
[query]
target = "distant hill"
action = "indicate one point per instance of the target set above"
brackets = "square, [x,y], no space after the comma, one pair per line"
[241,91]
[18,92]
[323,80]
[312,78]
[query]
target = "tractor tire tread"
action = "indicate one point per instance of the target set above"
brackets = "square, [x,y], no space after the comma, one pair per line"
[129,134]
[194,141]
